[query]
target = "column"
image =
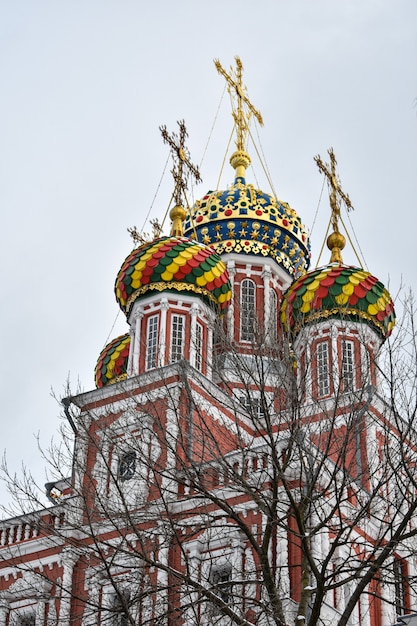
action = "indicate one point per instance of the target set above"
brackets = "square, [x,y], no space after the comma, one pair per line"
[231,310]
[208,353]
[267,276]
[68,558]
[91,610]
[4,611]
[40,611]
[364,609]
[193,315]
[164,535]
[135,344]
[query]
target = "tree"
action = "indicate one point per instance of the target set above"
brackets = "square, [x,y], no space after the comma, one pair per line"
[238,498]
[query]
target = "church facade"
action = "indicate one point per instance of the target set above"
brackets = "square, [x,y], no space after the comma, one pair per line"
[238,462]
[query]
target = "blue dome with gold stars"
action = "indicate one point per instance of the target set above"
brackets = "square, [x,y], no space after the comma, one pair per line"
[245,220]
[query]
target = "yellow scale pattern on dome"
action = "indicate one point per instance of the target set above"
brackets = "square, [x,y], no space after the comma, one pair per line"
[173,263]
[338,291]
[112,363]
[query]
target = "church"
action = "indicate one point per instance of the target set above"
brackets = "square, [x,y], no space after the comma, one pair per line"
[241,460]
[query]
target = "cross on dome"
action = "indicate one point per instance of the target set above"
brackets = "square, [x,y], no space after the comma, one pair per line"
[182,164]
[237,92]
[336,241]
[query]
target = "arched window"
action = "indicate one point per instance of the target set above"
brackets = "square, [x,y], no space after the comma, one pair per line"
[247,310]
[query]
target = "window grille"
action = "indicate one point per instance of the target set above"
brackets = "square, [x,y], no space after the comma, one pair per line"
[400,585]
[127,466]
[347,365]
[253,404]
[177,338]
[221,579]
[198,347]
[247,310]
[152,343]
[323,376]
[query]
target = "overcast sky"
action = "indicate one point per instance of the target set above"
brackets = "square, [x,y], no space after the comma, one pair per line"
[84,87]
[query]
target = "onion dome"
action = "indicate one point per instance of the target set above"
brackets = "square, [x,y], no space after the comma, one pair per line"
[176,264]
[246,220]
[112,362]
[341,292]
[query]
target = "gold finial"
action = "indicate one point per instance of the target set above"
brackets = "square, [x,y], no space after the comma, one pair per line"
[177,216]
[336,241]
[182,164]
[243,109]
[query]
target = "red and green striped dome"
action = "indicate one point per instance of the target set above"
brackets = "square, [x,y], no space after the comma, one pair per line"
[338,291]
[112,362]
[173,264]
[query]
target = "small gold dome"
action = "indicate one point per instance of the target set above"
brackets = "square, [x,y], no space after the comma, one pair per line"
[336,242]
[240,161]
[177,215]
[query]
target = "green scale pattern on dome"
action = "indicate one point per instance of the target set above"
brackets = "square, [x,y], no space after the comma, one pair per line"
[112,362]
[338,291]
[174,264]
[246,220]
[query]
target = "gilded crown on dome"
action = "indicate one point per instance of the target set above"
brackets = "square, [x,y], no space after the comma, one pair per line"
[245,220]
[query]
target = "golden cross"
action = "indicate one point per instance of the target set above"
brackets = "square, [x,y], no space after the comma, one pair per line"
[181,160]
[237,91]
[336,192]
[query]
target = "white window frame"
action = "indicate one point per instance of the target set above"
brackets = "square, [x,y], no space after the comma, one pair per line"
[253,405]
[199,346]
[177,337]
[348,365]
[323,369]
[152,342]
[247,310]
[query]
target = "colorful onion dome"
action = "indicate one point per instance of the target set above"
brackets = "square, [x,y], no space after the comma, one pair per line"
[112,362]
[338,291]
[173,264]
[246,220]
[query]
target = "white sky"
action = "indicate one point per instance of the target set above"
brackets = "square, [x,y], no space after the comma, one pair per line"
[84,87]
